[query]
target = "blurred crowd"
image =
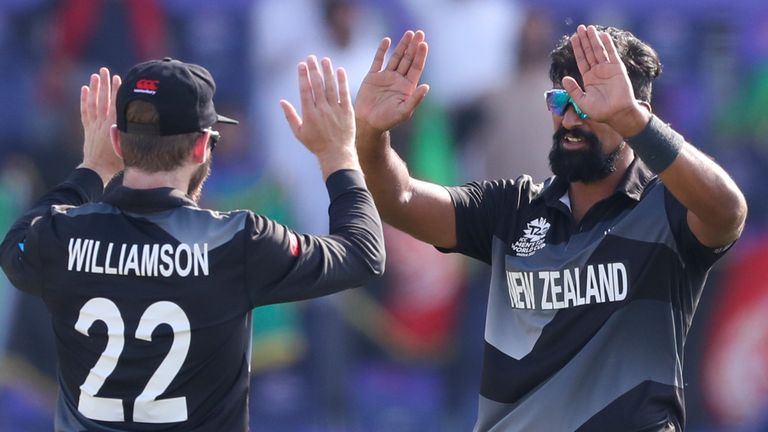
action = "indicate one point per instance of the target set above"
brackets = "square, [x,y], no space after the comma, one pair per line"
[403,354]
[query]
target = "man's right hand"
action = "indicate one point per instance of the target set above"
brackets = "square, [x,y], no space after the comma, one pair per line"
[97,112]
[389,95]
[327,128]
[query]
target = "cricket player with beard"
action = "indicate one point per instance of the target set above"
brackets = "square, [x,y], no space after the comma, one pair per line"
[596,272]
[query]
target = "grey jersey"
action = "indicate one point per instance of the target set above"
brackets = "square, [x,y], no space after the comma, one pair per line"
[586,322]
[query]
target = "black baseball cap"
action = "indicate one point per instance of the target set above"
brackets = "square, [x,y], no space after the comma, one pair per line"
[181,92]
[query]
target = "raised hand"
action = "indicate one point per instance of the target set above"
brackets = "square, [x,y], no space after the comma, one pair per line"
[389,95]
[327,128]
[97,113]
[607,95]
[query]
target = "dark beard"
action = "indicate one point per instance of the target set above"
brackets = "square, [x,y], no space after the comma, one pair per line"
[587,166]
[197,181]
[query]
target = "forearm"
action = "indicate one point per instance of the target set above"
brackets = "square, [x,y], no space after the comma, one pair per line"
[355,222]
[350,256]
[386,175]
[717,208]
[422,209]
[707,191]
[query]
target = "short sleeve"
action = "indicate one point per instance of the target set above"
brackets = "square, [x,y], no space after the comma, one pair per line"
[691,250]
[479,207]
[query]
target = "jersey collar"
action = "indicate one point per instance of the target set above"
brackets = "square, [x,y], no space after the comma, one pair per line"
[147,200]
[632,185]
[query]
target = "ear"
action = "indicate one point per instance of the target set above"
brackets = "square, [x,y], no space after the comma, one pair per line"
[199,151]
[647,106]
[114,136]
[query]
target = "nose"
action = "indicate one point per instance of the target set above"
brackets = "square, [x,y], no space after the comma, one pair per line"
[571,120]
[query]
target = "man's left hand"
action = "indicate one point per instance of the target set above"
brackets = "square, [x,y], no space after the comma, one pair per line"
[607,96]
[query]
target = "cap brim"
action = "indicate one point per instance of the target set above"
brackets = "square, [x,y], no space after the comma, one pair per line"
[222,119]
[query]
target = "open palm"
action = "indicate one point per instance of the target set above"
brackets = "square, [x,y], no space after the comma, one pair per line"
[388,96]
[607,89]
[326,126]
[97,113]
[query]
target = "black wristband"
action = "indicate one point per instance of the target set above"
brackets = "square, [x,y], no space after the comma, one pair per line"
[657,145]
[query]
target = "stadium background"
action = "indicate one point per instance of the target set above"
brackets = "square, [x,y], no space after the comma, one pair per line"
[402,354]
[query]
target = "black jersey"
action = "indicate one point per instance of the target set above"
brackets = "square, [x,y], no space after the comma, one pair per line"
[586,322]
[150,295]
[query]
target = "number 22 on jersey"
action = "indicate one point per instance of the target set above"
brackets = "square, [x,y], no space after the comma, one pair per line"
[147,408]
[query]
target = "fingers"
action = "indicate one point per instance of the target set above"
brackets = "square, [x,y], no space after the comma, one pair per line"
[405,41]
[294,121]
[420,59]
[320,87]
[408,59]
[378,59]
[589,53]
[97,99]
[116,83]
[84,93]
[331,94]
[592,47]
[105,91]
[601,56]
[305,88]
[610,47]
[93,94]
[578,53]
[415,99]
[586,46]
[410,53]
[574,90]
[315,80]
[345,98]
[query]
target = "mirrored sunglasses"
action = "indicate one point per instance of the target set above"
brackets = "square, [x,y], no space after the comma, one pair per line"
[557,103]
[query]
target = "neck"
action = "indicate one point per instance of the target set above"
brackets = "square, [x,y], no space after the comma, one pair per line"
[585,195]
[135,178]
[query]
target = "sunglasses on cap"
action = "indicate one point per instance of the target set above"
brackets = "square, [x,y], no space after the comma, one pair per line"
[557,103]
